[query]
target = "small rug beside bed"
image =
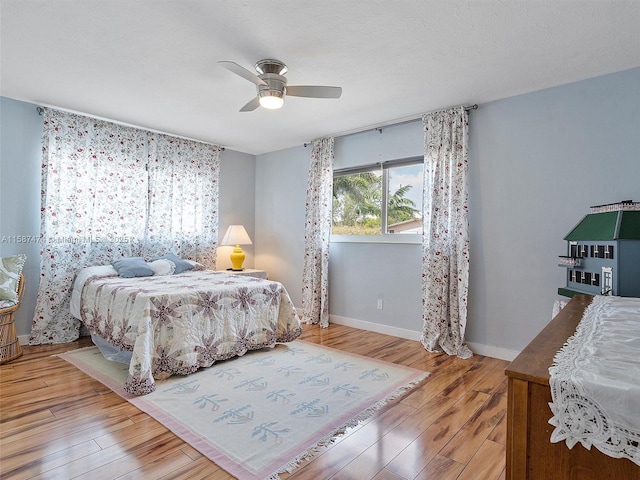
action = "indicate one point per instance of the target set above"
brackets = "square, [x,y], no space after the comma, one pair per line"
[261,414]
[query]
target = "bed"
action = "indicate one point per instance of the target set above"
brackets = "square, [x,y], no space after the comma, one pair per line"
[176,324]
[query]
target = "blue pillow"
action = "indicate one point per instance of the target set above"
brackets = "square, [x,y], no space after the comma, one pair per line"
[132,267]
[181,265]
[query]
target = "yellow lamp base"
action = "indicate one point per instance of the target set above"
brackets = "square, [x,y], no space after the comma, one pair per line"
[237,258]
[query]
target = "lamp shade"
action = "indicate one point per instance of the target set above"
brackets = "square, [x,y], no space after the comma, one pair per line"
[236,235]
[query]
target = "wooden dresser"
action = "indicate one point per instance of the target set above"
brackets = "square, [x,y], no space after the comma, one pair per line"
[530,453]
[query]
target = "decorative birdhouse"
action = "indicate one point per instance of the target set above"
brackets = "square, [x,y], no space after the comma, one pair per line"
[603,252]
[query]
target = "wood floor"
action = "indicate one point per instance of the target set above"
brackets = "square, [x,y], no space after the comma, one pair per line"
[58,423]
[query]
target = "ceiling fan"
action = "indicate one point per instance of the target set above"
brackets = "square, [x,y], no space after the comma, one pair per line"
[272,85]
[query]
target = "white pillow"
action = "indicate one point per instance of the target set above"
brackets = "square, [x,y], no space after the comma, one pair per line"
[162,267]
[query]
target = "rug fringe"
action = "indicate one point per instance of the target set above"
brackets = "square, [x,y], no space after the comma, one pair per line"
[312,451]
[75,350]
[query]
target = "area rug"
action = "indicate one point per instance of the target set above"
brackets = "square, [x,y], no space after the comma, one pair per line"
[260,414]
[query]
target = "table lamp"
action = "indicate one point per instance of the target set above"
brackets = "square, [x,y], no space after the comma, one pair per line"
[236,235]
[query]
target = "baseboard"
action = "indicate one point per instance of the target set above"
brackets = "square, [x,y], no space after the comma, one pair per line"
[478,348]
[494,352]
[375,327]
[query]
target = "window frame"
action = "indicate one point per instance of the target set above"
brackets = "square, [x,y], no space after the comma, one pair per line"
[383,236]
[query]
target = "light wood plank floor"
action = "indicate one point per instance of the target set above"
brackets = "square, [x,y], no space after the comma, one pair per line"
[58,423]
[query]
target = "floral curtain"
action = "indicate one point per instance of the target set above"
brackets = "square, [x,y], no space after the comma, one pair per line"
[445,241]
[317,232]
[96,196]
[183,199]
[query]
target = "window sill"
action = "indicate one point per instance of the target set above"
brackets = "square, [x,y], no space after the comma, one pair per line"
[402,238]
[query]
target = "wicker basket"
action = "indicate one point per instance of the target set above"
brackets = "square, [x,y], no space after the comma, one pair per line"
[10,348]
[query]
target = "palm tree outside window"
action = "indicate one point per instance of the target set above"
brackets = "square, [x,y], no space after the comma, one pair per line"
[378,199]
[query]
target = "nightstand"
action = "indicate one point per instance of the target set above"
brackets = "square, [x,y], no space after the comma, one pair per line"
[250,272]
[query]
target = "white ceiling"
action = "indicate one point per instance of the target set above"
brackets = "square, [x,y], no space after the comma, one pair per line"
[153,63]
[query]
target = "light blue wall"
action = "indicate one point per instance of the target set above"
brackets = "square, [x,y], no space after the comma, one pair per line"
[281,186]
[237,202]
[20,159]
[362,273]
[373,146]
[20,140]
[537,163]
[359,273]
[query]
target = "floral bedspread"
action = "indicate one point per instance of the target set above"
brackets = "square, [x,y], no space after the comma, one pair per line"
[179,323]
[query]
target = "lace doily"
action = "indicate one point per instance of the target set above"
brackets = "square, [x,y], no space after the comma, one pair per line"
[595,386]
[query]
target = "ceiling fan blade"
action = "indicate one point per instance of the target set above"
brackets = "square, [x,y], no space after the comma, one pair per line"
[314,91]
[252,105]
[243,72]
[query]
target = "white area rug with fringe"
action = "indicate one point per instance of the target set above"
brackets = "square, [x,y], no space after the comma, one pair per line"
[260,414]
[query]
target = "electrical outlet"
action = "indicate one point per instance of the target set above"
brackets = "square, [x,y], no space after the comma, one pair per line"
[379,306]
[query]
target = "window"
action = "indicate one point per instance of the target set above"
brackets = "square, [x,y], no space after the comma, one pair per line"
[608,251]
[573,250]
[587,278]
[378,199]
[602,251]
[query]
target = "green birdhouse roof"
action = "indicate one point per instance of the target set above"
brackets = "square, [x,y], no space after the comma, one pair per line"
[616,225]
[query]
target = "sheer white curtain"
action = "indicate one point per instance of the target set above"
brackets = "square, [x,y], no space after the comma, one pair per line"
[317,232]
[95,207]
[445,241]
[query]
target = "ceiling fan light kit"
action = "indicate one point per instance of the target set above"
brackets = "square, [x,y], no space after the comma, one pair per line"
[271,99]
[271,85]
[272,93]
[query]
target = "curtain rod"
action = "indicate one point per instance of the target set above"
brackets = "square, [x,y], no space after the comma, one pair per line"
[404,122]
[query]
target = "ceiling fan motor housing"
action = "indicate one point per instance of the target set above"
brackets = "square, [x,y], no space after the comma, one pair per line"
[275,85]
[270,65]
